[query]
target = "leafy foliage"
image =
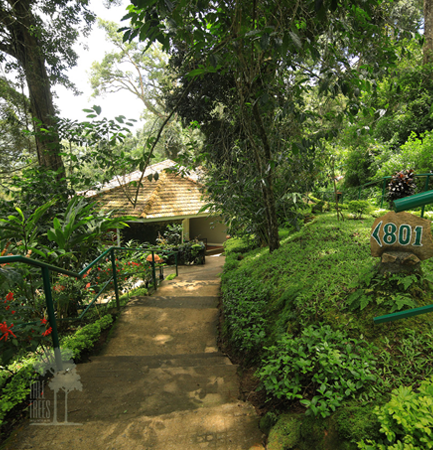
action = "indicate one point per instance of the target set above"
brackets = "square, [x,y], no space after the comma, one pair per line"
[310,281]
[407,420]
[416,152]
[321,368]
[15,146]
[244,301]
[16,390]
[86,337]
[358,208]
[391,291]
[250,89]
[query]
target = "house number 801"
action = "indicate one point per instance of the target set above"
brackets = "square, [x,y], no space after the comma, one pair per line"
[401,235]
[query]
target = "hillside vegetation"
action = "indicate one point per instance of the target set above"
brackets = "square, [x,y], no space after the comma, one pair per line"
[303,318]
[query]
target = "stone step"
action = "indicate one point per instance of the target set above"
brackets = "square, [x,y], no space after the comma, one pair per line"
[184,287]
[232,426]
[111,388]
[154,361]
[175,302]
[144,331]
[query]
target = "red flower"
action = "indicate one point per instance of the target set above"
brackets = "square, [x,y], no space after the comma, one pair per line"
[6,330]
[7,307]
[47,332]
[13,312]
[135,264]
[10,296]
[87,285]
[44,321]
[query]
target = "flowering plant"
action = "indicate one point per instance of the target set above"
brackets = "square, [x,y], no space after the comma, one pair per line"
[21,330]
[70,294]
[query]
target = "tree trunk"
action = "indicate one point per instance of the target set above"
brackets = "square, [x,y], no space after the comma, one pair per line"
[29,55]
[268,190]
[428,32]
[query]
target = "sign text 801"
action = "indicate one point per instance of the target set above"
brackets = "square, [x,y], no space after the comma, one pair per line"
[401,235]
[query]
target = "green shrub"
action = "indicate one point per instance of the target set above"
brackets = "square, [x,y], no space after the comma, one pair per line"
[321,368]
[239,245]
[358,208]
[86,337]
[407,420]
[417,153]
[16,390]
[244,300]
[393,292]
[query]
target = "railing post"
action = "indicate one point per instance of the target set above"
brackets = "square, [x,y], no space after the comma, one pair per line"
[116,290]
[383,193]
[427,180]
[52,318]
[175,262]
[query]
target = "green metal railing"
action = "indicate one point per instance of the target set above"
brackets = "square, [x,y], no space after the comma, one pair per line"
[384,181]
[403,314]
[413,201]
[47,268]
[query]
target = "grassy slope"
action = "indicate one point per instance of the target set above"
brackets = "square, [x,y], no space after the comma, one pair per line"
[308,281]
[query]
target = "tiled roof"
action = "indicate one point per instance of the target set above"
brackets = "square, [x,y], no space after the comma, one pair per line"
[169,196]
[133,176]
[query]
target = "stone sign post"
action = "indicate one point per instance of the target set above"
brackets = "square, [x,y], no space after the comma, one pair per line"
[402,241]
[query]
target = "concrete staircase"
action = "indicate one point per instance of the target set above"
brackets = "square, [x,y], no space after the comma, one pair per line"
[160,382]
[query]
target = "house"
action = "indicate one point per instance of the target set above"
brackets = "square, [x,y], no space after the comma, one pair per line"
[166,199]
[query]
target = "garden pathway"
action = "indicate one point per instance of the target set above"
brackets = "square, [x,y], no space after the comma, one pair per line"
[160,383]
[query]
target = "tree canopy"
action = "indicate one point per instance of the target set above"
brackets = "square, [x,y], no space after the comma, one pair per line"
[36,38]
[259,62]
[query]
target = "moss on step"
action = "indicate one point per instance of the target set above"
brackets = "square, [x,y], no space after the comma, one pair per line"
[341,431]
[285,434]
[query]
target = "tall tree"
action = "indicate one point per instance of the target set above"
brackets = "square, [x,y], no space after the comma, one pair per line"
[37,36]
[428,31]
[145,74]
[131,68]
[273,52]
[15,145]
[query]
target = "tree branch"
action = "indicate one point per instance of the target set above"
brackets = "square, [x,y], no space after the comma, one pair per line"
[185,92]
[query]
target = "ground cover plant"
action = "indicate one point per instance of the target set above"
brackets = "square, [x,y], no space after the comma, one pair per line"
[304,321]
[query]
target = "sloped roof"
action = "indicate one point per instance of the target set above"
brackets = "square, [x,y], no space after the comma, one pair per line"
[133,176]
[169,196]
